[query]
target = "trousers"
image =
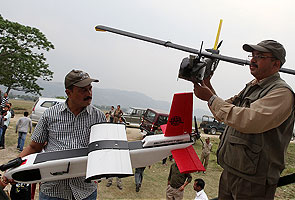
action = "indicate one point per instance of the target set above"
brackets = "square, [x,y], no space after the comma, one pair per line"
[205,159]
[173,193]
[21,140]
[2,140]
[232,187]
[138,175]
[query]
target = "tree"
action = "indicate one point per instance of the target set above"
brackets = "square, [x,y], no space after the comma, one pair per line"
[22,61]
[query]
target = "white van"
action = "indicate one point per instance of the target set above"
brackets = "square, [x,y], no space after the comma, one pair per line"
[41,105]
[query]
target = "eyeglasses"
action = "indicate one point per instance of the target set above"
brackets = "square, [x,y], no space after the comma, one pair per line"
[258,57]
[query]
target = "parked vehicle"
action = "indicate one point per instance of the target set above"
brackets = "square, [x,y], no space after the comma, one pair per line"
[152,119]
[210,125]
[134,116]
[41,105]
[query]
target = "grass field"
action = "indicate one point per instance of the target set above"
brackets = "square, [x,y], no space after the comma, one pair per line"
[155,178]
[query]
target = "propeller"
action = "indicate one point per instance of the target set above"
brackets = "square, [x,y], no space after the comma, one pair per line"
[196,134]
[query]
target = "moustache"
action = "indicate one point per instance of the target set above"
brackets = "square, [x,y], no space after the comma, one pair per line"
[253,65]
[87,98]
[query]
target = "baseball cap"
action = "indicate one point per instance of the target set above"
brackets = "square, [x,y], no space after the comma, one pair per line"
[268,46]
[78,78]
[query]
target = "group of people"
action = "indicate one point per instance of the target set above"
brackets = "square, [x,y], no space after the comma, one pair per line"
[252,149]
[115,115]
[23,125]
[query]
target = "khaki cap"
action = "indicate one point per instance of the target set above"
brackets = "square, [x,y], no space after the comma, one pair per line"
[268,46]
[78,78]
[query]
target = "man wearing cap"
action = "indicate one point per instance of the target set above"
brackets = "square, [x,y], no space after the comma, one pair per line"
[67,126]
[259,121]
[206,150]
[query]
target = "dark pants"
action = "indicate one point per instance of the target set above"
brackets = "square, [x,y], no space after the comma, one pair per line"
[235,187]
[2,142]
[21,140]
[165,159]
[138,175]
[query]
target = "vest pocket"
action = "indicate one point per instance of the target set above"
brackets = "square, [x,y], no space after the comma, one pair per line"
[242,155]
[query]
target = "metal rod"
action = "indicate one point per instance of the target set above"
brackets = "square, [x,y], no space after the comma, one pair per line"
[237,61]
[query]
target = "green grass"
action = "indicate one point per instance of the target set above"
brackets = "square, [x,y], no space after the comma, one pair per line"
[155,183]
[155,179]
[20,106]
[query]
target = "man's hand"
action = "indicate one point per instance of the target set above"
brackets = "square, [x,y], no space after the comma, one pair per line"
[202,91]
[5,181]
[207,81]
[181,188]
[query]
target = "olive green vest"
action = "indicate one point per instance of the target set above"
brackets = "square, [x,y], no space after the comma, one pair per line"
[256,157]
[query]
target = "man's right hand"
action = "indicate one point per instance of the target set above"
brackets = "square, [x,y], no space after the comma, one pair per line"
[202,91]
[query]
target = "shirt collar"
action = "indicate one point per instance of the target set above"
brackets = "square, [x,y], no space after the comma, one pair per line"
[64,107]
[262,82]
[200,192]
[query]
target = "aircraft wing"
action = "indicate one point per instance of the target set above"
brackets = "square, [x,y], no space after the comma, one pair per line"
[108,152]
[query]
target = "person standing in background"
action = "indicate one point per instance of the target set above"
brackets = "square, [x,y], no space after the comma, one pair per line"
[199,186]
[11,110]
[112,113]
[22,126]
[4,100]
[118,113]
[176,183]
[2,115]
[108,117]
[138,176]
[206,149]
[6,124]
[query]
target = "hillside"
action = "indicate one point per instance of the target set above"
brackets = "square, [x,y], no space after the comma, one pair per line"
[108,97]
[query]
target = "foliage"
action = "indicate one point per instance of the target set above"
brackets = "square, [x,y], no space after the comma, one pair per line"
[22,60]
[61,97]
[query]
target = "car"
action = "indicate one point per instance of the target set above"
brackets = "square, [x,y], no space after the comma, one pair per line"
[210,125]
[134,116]
[41,105]
[152,119]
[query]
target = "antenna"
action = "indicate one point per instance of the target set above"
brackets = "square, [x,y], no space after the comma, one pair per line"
[218,34]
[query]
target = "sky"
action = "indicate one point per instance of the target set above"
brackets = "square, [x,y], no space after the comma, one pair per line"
[127,64]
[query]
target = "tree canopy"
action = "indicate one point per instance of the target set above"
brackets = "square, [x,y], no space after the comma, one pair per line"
[22,60]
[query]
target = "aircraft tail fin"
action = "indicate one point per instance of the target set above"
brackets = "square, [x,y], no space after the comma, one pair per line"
[180,117]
